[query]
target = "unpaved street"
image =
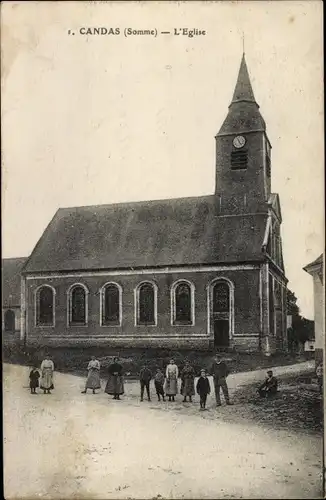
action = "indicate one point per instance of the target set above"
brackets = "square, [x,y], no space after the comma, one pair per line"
[70,445]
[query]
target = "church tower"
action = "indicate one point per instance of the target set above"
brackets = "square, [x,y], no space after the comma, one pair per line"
[243,153]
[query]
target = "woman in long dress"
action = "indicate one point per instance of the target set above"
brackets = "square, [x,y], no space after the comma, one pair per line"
[47,369]
[93,377]
[114,385]
[171,382]
[188,382]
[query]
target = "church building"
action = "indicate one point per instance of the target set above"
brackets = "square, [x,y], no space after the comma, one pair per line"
[201,272]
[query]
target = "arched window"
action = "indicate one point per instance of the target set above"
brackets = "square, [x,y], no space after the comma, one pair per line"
[78,304]
[221,297]
[9,320]
[45,297]
[111,305]
[146,300]
[182,303]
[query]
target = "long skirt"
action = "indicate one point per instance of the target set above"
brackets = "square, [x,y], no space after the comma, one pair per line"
[159,388]
[33,383]
[171,386]
[114,385]
[188,387]
[93,379]
[47,379]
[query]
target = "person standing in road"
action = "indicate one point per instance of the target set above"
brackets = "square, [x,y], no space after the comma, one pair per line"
[220,371]
[188,382]
[114,385]
[47,369]
[34,379]
[171,382]
[159,384]
[203,389]
[93,378]
[145,376]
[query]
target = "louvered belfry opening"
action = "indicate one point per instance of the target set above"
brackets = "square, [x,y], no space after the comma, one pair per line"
[239,159]
[268,166]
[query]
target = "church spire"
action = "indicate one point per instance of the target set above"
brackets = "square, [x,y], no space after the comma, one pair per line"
[244,114]
[243,89]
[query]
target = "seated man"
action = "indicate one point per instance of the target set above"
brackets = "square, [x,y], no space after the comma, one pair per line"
[269,387]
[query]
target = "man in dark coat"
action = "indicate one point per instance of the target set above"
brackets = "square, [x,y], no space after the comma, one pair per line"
[269,387]
[220,371]
[145,376]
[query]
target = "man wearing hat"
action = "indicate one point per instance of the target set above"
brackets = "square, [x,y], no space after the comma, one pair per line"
[220,371]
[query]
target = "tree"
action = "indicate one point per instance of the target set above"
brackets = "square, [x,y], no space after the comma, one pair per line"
[302,329]
[291,301]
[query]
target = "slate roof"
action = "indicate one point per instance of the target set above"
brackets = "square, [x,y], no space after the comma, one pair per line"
[11,269]
[244,115]
[183,231]
[243,89]
[176,232]
[315,264]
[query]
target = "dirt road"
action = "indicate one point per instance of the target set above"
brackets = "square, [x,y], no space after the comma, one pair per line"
[68,445]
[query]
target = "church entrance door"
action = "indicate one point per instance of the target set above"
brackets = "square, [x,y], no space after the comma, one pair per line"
[220,308]
[221,333]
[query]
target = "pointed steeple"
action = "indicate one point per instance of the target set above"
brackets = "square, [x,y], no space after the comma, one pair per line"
[243,89]
[244,114]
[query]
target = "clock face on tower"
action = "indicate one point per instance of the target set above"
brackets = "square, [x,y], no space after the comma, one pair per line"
[239,141]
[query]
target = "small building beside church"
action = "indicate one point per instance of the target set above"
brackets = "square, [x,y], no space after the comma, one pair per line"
[11,283]
[316,270]
[189,273]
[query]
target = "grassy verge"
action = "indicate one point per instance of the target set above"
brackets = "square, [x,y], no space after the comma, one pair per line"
[298,405]
[74,360]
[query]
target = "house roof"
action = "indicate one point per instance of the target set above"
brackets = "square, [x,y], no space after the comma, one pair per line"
[183,231]
[11,269]
[316,265]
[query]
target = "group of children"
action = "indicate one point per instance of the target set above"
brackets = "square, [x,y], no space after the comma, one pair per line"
[268,388]
[145,376]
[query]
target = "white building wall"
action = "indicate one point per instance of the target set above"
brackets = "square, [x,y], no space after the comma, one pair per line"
[319,313]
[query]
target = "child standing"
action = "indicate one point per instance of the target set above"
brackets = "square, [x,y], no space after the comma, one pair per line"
[145,376]
[203,389]
[33,380]
[159,382]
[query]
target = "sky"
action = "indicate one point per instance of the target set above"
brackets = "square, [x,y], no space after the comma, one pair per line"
[96,119]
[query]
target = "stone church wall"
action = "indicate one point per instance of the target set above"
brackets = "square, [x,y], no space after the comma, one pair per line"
[247,312]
